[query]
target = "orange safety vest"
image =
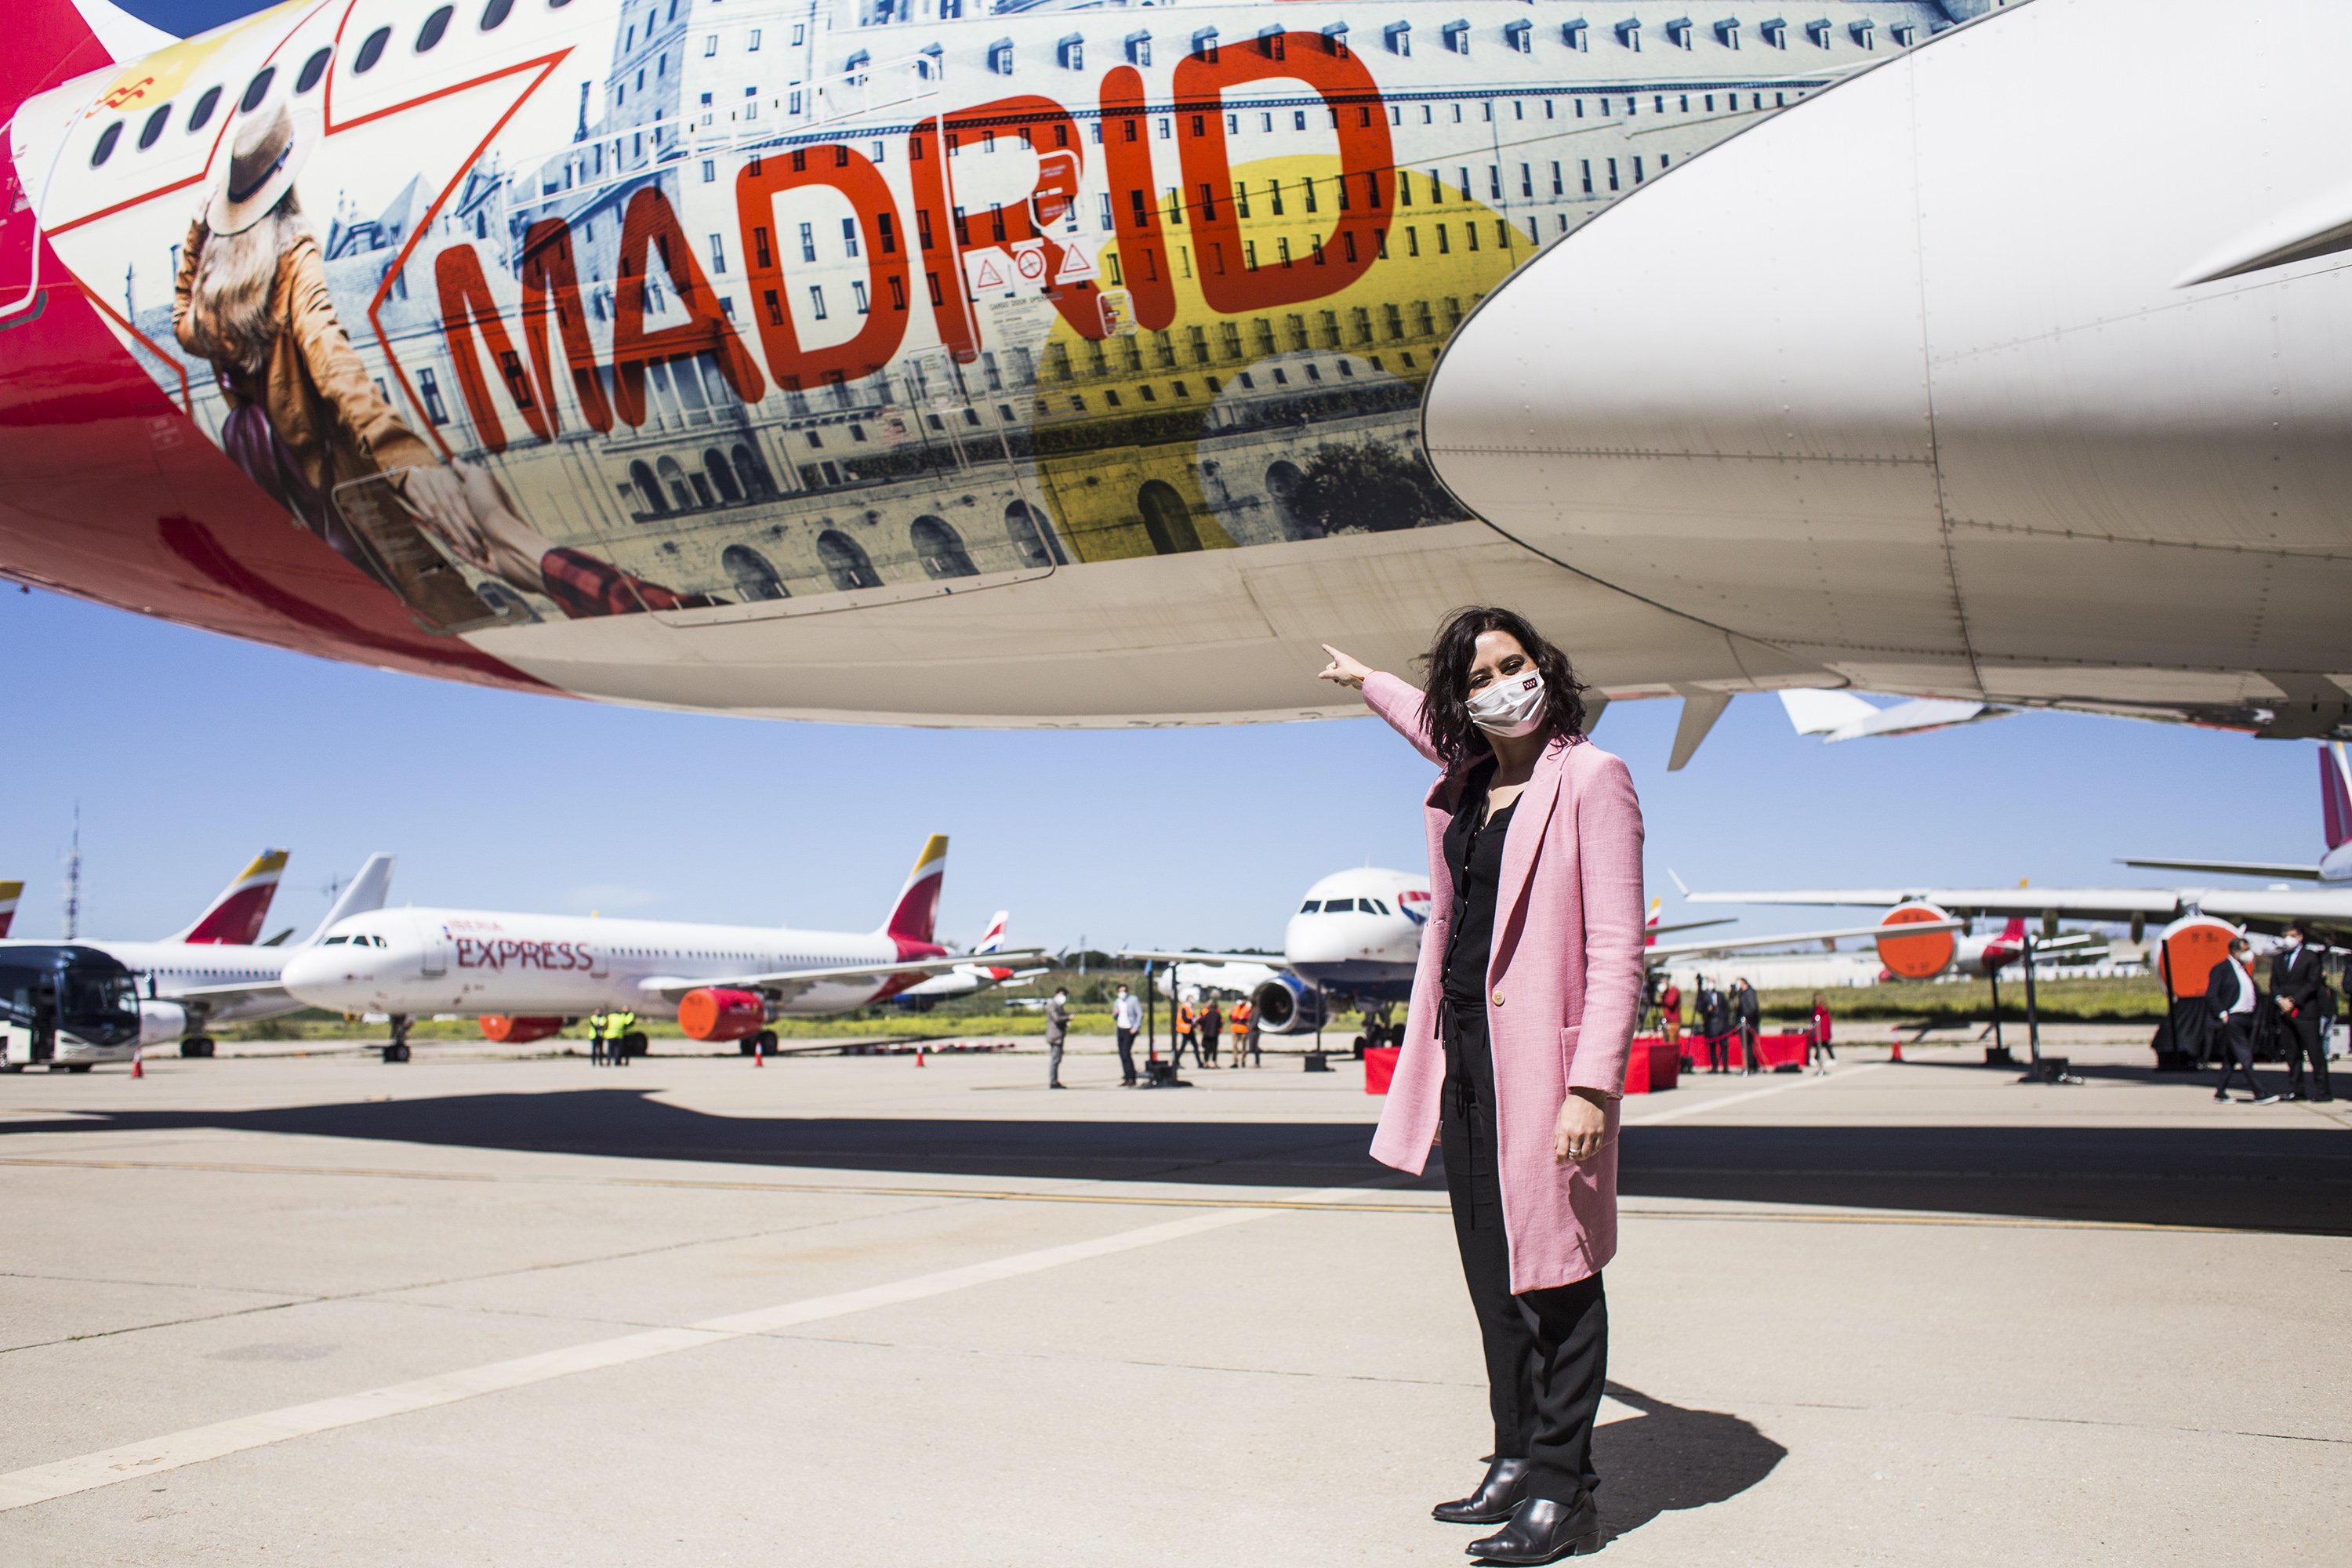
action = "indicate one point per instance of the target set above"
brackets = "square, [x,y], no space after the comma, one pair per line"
[1241,1017]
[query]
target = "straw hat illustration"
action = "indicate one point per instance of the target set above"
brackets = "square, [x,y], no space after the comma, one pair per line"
[265,156]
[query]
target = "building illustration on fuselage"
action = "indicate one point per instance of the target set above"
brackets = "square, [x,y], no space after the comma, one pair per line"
[762,305]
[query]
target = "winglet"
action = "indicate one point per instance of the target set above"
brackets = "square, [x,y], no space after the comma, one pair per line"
[9,893]
[236,916]
[1680,886]
[916,910]
[2335,792]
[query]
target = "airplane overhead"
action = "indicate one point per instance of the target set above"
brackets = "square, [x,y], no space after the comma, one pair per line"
[891,361]
[1961,381]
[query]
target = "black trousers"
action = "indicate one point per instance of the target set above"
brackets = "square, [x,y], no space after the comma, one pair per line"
[2233,1045]
[1126,1055]
[1547,1351]
[1718,1053]
[2300,1036]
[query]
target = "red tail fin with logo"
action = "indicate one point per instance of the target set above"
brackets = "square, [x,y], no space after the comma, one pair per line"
[914,916]
[237,915]
[2335,793]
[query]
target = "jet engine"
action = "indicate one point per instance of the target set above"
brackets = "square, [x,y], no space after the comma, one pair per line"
[717,1012]
[1921,957]
[161,1021]
[1288,1005]
[509,1031]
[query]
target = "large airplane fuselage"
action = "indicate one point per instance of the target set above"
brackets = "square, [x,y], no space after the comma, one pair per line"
[1063,366]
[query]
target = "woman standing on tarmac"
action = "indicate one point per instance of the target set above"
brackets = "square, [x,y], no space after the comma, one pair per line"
[1523,1010]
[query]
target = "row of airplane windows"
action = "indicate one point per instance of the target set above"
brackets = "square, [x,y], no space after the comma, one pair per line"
[362,939]
[1344,907]
[314,69]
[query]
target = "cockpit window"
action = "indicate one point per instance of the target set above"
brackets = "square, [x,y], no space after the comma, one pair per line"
[371,51]
[382,942]
[1378,905]
[335,941]
[495,12]
[258,89]
[1338,906]
[434,25]
[312,69]
[1311,906]
[154,127]
[200,116]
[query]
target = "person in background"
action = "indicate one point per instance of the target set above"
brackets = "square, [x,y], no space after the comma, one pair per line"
[1211,1024]
[1817,1039]
[598,1022]
[2327,1017]
[1670,1013]
[1126,1019]
[2230,994]
[2297,980]
[1057,1034]
[1749,1014]
[1244,1025]
[1183,1035]
[617,1028]
[1715,1026]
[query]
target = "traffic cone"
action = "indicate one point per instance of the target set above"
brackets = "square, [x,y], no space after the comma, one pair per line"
[758,1055]
[919,1056]
[138,1062]
[1898,1049]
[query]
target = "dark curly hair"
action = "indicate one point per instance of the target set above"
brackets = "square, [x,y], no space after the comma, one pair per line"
[1446,700]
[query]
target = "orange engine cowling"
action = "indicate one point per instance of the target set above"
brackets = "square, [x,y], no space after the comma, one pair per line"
[714,1013]
[2188,951]
[509,1031]
[1921,957]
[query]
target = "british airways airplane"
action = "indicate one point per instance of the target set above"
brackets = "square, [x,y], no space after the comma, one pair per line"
[1069,362]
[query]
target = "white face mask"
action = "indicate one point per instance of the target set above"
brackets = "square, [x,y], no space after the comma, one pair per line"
[1510,707]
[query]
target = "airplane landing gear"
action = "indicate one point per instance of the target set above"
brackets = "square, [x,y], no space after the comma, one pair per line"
[196,1045]
[398,1051]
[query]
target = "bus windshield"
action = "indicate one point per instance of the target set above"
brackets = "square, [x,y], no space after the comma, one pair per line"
[98,1007]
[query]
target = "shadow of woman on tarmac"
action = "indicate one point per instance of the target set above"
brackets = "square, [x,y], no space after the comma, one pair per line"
[1670,1457]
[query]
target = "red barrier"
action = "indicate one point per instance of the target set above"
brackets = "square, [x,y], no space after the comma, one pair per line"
[1652,1066]
[1772,1050]
[1380,1067]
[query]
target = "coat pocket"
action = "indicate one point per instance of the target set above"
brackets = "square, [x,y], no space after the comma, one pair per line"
[1567,1047]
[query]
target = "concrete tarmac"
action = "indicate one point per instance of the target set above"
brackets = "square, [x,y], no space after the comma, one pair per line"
[483,1308]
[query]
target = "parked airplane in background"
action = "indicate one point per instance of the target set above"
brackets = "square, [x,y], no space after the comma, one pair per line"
[9,893]
[216,971]
[967,979]
[1842,716]
[525,974]
[1357,938]
[2336,829]
[778,358]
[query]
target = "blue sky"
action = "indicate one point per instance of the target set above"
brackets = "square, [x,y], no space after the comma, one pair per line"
[188,752]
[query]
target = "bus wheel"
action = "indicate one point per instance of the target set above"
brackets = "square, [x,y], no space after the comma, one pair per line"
[74,1067]
[196,1047]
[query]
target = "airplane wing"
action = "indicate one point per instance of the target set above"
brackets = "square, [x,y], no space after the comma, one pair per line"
[227,995]
[2064,903]
[2305,871]
[1269,960]
[2266,909]
[792,983]
[1689,925]
[1730,944]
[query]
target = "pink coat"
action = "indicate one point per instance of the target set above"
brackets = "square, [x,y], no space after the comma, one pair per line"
[1563,993]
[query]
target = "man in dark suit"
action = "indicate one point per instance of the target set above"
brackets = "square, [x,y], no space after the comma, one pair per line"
[2229,996]
[1715,1022]
[1748,1012]
[2297,979]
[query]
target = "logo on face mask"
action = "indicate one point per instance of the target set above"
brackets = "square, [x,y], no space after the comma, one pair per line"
[1510,707]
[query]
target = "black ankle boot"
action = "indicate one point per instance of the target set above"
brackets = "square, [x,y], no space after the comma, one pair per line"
[1543,1530]
[1493,1499]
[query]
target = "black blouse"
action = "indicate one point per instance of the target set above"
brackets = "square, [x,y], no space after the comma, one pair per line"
[1474,859]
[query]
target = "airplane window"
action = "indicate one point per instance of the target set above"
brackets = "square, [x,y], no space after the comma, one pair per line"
[106,141]
[1311,906]
[434,25]
[1378,905]
[372,50]
[312,69]
[495,12]
[335,941]
[258,89]
[154,127]
[203,110]
[1338,906]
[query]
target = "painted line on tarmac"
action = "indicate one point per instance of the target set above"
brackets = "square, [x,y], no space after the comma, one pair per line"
[1704,1106]
[86,1472]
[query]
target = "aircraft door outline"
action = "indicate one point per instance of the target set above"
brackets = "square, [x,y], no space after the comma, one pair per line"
[433,951]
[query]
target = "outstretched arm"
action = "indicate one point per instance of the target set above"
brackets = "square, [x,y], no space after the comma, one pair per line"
[1398,701]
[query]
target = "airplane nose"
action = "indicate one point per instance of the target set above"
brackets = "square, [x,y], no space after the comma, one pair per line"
[321,976]
[1713,387]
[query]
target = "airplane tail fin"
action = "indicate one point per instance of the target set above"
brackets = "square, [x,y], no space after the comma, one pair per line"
[9,893]
[2014,931]
[362,893]
[993,939]
[1650,926]
[2335,792]
[237,915]
[50,41]
[913,916]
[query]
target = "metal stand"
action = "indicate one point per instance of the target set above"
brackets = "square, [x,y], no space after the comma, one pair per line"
[1316,1060]
[1997,1054]
[2044,1070]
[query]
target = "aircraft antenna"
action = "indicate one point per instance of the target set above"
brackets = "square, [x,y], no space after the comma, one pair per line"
[73,879]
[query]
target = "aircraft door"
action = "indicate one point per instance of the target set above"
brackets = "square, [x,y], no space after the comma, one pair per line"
[434,949]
